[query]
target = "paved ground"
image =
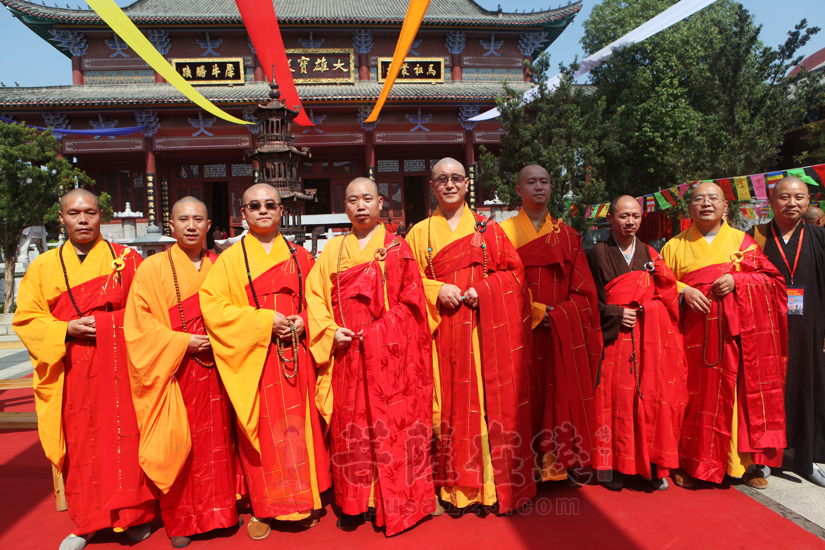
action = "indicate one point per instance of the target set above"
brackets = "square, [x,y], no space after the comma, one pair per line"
[14,359]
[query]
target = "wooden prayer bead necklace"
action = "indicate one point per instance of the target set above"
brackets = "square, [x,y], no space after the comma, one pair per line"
[206,364]
[279,344]
[118,267]
[705,343]
[480,227]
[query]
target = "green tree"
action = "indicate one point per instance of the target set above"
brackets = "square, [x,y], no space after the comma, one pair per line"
[31,174]
[703,99]
[562,130]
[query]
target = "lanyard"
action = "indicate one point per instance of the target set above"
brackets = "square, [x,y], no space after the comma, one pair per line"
[782,251]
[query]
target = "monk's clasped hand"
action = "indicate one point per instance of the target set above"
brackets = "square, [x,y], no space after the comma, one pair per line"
[471,298]
[697,301]
[450,295]
[343,337]
[83,328]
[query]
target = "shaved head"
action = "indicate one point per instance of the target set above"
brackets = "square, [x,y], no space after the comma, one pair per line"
[789,183]
[532,170]
[707,188]
[78,192]
[190,200]
[624,202]
[271,192]
[358,181]
[813,215]
[446,162]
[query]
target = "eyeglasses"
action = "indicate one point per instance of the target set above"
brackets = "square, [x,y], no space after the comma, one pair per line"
[456,178]
[254,206]
[713,199]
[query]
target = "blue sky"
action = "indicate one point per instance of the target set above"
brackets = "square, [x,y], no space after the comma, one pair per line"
[29,60]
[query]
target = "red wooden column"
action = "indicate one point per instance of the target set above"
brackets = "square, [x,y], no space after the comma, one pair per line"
[151,170]
[455,71]
[363,66]
[369,157]
[77,73]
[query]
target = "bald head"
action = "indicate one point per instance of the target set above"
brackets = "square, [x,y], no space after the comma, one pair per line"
[261,191]
[790,184]
[707,188]
[447,165]
[624,203]
[361,183]
[814,215]
[77,193]
[197,205]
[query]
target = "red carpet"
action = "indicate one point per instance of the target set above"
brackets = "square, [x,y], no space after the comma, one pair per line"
[591,517]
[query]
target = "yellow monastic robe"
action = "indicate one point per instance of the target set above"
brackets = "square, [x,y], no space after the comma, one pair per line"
[241,336]
[155,352]
[687,252]
[442,235]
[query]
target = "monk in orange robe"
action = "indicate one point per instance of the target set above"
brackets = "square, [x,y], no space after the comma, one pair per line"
[370,337]
[187,440]
[567,341]
[70,317]
[735,328]
[642,389]
[254,309]
[479,313]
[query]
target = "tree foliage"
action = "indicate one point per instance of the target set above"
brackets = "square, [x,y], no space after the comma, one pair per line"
[31,173]
[703,99]
[562,130]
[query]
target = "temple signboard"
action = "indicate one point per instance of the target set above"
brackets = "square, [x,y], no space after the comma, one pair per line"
[322,65]
[414,70]
[210,72]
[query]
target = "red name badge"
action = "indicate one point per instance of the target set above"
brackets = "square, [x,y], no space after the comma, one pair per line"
[796,300]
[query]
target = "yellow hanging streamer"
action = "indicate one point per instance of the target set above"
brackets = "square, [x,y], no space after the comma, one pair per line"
[415,14]
[123,26]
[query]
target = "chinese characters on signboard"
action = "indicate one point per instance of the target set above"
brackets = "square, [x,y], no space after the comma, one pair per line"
[414,69]
[322,65]
[200,71]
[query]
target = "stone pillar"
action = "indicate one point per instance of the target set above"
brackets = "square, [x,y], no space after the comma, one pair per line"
[164,204]
[151,200]
[77,73]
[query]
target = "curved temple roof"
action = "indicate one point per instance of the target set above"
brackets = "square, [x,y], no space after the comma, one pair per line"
[300,12]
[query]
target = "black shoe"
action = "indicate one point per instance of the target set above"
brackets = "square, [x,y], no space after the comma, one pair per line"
[180,542]
[349,523]
[616,481]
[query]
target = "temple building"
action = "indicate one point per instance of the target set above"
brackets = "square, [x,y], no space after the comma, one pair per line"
[339,53]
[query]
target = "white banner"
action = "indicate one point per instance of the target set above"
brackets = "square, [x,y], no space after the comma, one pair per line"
[667,18]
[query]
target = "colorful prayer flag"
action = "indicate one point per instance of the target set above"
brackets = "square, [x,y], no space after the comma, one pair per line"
[650,203]
[661,201]
[603,210]
[759,186]
[800,173]
[772,179]
[820,171]
[587,211]
[683,189]
[724,183]
[742,191]
[669,195]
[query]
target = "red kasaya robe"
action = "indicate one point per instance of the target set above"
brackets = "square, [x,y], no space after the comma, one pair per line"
[96,440]
[382,393]
[640,403]
[752,361]
[565,357]
[186,420]
[503,316]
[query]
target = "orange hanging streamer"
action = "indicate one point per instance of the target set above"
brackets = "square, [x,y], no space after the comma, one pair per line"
[415,14]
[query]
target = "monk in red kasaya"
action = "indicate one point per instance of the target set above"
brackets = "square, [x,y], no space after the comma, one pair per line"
[642,390]
[370,337]
[70,317]
[187,441]
[567,342]
[479,314]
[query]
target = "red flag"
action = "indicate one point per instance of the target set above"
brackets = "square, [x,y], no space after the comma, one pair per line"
[669,197]
[820,171]
[262,25]
[727,189]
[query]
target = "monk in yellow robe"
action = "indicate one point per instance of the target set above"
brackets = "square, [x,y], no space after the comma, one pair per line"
[734,324]
[368,323]
[70,317]
[479,313]
[187,440]
[567,341]
[254,309]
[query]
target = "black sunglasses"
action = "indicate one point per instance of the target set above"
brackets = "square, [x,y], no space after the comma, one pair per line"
[254,206]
